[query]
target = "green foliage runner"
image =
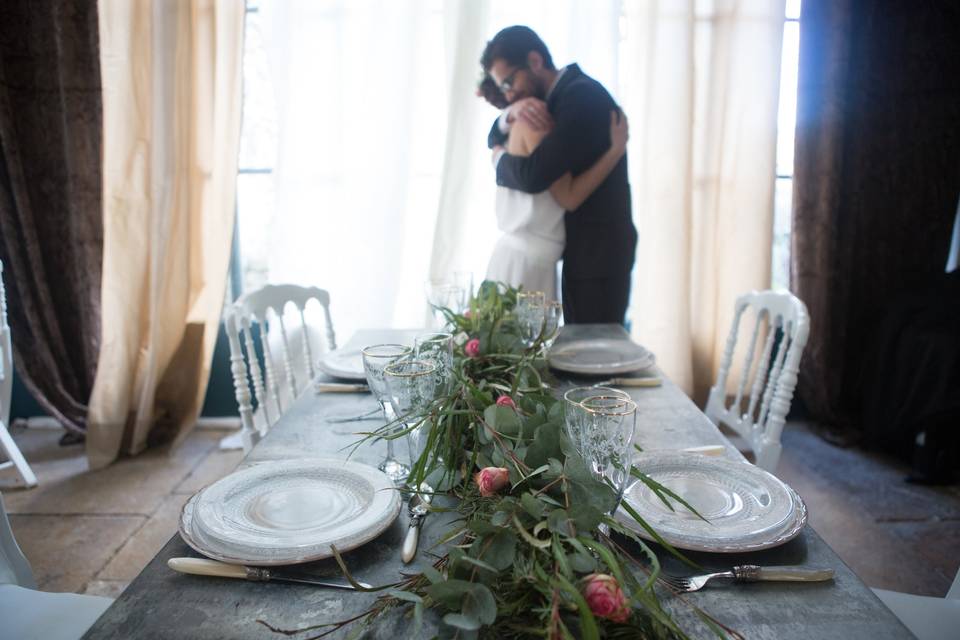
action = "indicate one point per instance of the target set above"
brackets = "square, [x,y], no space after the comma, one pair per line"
[527,558]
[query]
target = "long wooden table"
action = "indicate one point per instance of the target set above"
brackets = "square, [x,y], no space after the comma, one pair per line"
[160,603]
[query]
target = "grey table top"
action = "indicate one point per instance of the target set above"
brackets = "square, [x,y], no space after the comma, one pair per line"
[160,603]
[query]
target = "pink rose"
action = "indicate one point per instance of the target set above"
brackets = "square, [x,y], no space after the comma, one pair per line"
[506,401]
[472,348]
[605,598]
[466,314]
[491,479]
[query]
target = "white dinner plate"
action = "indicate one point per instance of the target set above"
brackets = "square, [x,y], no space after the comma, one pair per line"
[599,356]
[287,512]
[746,508]
[343,363]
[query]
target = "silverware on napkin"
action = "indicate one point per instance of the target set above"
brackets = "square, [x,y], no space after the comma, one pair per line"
[631,382]
[750,573]
[419,508]
[340,387]
[203,567]
[373,414]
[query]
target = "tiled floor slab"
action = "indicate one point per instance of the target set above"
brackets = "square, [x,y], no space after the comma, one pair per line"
[66,551]
[140,548]
[135,485]
[893,535]
[215,466]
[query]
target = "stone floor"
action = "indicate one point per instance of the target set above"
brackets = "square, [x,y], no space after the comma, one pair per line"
[92,532]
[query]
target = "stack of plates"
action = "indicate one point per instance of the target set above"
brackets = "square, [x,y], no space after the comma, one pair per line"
[746,508]
[600,356]
[343,363]
[277,513]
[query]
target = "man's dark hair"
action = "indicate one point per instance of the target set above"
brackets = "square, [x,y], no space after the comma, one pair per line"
[512,45]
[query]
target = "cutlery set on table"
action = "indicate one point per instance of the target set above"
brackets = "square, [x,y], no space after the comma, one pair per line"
[258,523]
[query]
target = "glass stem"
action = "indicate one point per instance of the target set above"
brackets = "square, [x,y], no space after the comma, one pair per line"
[386,420]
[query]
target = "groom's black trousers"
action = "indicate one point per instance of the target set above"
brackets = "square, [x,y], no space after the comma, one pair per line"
[595,300]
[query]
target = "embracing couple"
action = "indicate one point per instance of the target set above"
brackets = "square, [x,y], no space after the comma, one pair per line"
[559,148]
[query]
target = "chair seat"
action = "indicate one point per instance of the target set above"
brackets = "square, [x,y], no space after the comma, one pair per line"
[926,617]
[38,615]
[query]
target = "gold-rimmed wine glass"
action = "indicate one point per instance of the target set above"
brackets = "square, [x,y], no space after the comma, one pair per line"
[439,348]
[530,315]
[376,358]
[412,387]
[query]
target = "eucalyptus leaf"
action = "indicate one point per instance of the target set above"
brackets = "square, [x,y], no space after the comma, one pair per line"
[450,593]
[531,505]
[500,549]
[482,527]
[480,604]
[461,621]
[546,445]
[480,564]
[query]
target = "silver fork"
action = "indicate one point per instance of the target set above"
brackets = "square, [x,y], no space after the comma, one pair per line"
[748,573]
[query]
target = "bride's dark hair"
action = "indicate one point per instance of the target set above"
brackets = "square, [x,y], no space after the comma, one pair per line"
[489,91]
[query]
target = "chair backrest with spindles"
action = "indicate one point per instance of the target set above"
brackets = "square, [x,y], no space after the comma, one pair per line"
[6,357]
[766,380]
[269,309]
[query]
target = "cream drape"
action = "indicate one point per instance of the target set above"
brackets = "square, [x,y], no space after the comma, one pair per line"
[703,107]
[171,102]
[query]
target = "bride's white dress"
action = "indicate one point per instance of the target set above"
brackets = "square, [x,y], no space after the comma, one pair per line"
[532,241]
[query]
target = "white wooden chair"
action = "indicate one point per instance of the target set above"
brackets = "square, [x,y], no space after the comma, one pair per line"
[765,383]
[8,448]
[926,617]
[274,390]
[29,614]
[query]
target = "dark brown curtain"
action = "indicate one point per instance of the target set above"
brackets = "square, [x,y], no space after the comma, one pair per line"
[51,226]
[876,177]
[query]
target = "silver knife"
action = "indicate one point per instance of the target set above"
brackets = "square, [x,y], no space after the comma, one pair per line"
[340,387]
[419,508]
[203,567]
[648,381]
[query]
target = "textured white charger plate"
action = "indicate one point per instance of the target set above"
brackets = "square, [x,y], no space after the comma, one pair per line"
[277,513]
[747,508]
[343,363]
[599,356]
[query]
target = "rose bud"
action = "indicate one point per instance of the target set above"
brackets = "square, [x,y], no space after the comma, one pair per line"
[506,401]
[491,479]
[605,598]
[472,348]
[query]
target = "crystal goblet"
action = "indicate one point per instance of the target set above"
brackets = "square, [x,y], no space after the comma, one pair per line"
[375,359]
[412,387]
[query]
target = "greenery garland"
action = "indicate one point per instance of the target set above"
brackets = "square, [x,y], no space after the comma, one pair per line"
[527,559]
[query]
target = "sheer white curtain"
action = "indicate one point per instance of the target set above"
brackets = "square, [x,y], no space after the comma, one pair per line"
[382,176]
[701,91]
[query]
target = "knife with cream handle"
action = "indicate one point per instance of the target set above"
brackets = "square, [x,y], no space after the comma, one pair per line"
[340,387]
[204,567]
[631,382]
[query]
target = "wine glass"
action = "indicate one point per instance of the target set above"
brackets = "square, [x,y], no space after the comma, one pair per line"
[606,441]
[552,316]
[573,416]
[439,348]
[442,294]
[530,316]
[412,387]
[463,280]
[375,360]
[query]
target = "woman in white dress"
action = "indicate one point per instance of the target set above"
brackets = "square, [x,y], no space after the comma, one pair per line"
[532,224]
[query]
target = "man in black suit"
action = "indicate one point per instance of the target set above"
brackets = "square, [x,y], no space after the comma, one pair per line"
[601,239]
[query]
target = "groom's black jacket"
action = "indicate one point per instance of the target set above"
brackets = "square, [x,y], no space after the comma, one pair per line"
[601,239]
